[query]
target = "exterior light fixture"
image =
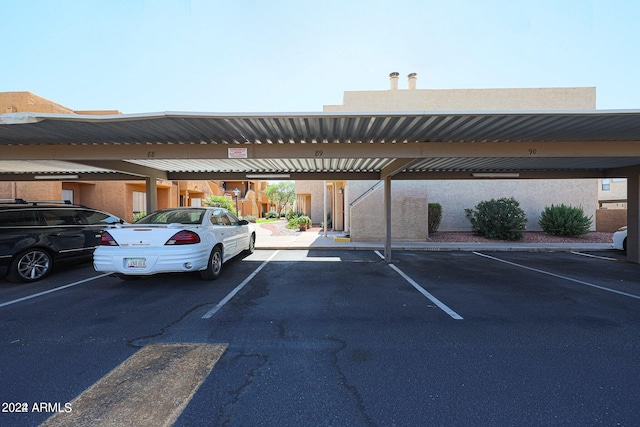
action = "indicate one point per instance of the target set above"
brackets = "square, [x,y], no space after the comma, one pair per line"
[495,175]
[237,193]
[269,176]
[56,177]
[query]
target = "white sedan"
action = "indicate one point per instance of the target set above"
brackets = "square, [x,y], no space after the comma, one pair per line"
[174,240]
[620,239]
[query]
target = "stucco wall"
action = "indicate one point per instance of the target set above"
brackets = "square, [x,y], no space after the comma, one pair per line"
[533,196]
[314,188]
[581,98]
[455,196]
[408,211]
[609,220]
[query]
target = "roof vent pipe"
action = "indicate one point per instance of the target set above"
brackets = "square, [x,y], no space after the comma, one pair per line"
[393,80]
[412,78]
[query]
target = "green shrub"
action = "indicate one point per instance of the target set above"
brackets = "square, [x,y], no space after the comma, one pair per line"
[501,219]
[293,214]
[434,217]
[303,219]
[271,215]
[563,220]
[220,202]
[299,220]
[250,218]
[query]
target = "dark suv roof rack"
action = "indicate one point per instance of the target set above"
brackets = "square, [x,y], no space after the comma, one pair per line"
[14,200]
[35,202]
[60,202]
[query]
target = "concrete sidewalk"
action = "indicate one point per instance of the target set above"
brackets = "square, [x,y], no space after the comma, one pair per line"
[316,240]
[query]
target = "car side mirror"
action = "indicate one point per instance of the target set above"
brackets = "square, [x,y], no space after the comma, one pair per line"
[243,222]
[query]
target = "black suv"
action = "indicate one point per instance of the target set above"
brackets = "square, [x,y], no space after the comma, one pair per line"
[35,236]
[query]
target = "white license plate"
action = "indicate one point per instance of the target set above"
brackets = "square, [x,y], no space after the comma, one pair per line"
[136,262]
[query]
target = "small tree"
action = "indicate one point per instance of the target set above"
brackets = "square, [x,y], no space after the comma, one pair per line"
[501,219]
[563,220]
[220,202]
[281,193]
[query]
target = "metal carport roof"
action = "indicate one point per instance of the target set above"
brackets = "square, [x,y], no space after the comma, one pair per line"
[405,145]
[381,145]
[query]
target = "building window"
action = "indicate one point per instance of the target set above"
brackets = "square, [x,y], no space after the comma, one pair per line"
[606,184]
[139,202]
[67,195]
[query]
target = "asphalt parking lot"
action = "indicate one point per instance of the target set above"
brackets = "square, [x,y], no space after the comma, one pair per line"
[331,337]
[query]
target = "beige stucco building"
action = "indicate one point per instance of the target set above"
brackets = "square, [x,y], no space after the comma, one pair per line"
[123,198]
[356,206]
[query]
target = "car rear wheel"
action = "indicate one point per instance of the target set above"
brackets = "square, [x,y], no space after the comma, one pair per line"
[624,244]
[214,268]
[30,265]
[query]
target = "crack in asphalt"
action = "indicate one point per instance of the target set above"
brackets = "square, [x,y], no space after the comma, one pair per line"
[342,345]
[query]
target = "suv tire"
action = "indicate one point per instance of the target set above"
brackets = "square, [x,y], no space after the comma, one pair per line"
[30,265]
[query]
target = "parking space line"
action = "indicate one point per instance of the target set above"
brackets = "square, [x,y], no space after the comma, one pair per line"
[559,276]
[59,288]
[423,291]
[237,289]
[593,256]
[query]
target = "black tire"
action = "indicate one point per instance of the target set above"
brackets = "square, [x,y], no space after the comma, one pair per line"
[30,265]
[214,268]
[624,244]
[252,244]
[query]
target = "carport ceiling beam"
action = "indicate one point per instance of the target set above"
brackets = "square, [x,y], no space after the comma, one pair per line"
[395,167]
[126,168]
[314,151]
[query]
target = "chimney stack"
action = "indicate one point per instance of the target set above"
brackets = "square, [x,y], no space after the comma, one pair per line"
[412,80]
[393,80]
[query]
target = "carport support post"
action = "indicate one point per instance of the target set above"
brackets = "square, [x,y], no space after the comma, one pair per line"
[387,219]
[152,194]
[324,208]
[633,218]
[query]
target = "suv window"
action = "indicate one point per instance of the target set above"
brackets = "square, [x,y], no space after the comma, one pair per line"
[96,217]
[55,217]
[20,218]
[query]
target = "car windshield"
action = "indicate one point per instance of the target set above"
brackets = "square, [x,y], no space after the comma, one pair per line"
[169,216]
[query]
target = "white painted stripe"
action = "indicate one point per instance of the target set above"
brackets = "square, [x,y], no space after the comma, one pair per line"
[231,294]
[593,256]
[424,292]
[59,288]
[559,276]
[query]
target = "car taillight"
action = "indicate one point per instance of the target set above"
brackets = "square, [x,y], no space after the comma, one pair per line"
[107,239]
[184,237]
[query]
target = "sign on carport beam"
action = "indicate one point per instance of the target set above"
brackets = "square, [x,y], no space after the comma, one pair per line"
[237,153]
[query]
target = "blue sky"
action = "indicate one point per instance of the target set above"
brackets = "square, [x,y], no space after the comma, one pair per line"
[141,56]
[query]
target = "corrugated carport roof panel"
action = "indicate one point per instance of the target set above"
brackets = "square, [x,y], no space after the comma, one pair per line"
[191,128]
[266,165]
[520,163]
[49,166]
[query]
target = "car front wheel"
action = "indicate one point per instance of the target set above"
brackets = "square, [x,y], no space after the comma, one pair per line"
[252,244]
[30,265]
[214,268]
